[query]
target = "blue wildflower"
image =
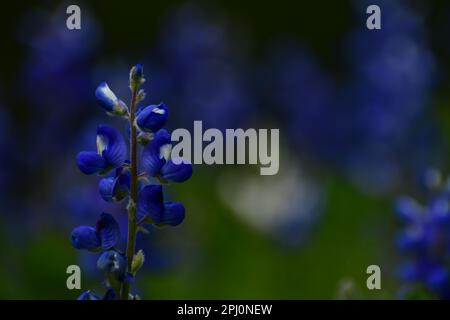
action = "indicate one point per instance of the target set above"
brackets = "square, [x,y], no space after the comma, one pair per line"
[425,240]
[150,204]
[157,163]
[112,264]
[153,117]
[115,188]
[111,152]
[88,295]
[108,100]
[104,236]
[145,201]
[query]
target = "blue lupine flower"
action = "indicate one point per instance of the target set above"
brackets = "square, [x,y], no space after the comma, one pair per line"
[85,237]
[156,160]
[112,264]
[153,117]
[425,240]
[108,100]
[103,237]
[151,204]
[111,152]
[88,295]
[115,188]
[407,209]
[201,71]
[148,204]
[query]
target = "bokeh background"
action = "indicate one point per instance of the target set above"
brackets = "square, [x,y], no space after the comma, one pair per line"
[362,116]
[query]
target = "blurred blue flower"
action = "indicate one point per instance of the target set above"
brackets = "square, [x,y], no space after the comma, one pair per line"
[369,125]
[55,79]
[425,241]
[201,72]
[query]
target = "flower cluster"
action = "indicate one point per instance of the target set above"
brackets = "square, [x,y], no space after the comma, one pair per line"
[425,240]
[121,179]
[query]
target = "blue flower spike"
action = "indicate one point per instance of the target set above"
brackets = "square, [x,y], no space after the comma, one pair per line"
[130,178]
[85,238]
[425,239]
[108,101]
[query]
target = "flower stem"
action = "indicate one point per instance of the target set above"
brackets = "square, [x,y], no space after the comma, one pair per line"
[132,225]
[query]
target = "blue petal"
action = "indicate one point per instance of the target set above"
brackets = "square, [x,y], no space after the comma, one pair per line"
[411,240]
[173,213]
[107,99]
[108,231]
[153,157]
[106,188]
[153,117]
[409,272]
[88,295]
[91,162]
[111,145]
[150,202]
[439,210]
[179,172]
[86,238]
[438,280]
[115,188]
[112,263]
[407,209]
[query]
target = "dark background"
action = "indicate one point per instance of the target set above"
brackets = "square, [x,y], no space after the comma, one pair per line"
[343,219]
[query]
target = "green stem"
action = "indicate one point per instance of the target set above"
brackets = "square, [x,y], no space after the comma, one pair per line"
[132,225]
